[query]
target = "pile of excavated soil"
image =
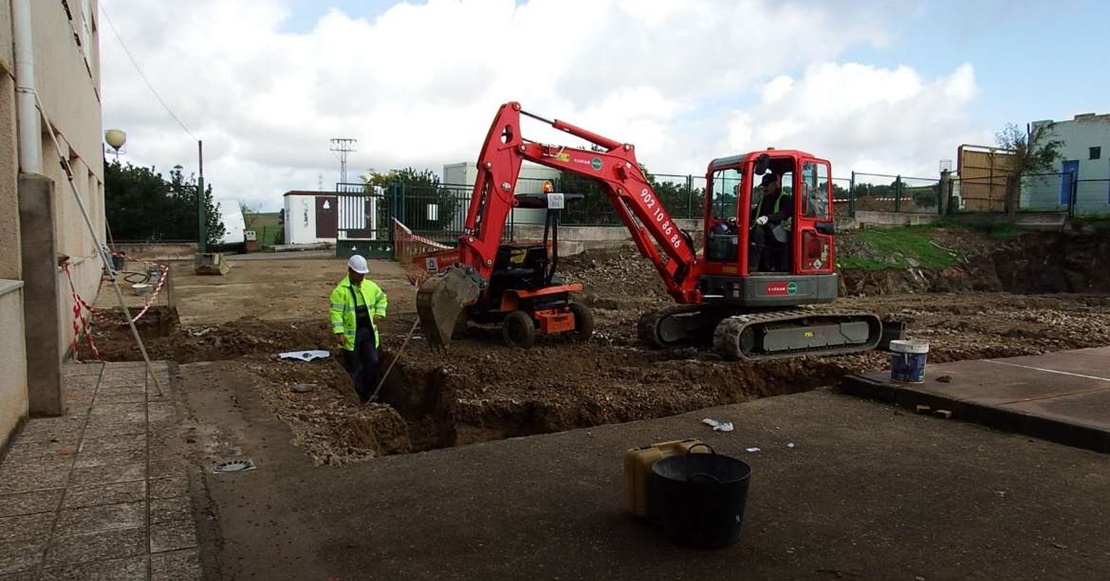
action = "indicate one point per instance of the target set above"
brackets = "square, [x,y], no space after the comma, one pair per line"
[192,343]
[481,390]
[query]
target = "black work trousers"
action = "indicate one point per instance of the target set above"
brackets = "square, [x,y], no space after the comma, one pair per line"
[765,254]
[362,364]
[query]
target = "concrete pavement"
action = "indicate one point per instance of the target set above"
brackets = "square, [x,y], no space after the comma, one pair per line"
[867,492]
[1063,397]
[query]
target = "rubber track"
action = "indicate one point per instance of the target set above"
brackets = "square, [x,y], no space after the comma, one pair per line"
[726,337]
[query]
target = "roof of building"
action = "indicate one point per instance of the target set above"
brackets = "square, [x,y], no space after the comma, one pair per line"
[308,193]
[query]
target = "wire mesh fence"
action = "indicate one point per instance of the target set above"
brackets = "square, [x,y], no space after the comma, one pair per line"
[437,212]
[1040,192]
[893,193]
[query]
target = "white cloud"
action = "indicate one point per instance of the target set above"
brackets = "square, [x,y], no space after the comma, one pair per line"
[685,80]
[865,118]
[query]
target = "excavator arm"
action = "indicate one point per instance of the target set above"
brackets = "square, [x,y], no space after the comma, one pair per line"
[442,298]
[614,165]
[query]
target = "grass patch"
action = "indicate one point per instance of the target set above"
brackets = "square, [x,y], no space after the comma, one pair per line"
[1098,223]
[883,248]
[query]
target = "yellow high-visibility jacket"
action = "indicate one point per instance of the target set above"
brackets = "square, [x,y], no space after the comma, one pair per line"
[345,298]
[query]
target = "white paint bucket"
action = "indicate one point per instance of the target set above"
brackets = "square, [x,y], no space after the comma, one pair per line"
[907,360]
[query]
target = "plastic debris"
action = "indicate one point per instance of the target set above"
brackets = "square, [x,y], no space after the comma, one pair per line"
[717,425]
[752,450]
[304,355]
[234,466]
[790,445]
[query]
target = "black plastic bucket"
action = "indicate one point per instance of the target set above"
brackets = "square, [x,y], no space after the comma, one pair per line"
[699,498]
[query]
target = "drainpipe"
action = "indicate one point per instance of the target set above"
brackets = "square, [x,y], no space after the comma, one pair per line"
[30,129]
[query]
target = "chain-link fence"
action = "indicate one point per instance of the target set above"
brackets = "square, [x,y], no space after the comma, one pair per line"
[439,212]
[683,196]
[892,193]
[1041,192]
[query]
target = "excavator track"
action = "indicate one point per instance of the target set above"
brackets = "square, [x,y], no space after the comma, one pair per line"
[665,328]
[775,335]
[761,335]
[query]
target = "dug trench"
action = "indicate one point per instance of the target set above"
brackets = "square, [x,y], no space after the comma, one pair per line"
[481,390]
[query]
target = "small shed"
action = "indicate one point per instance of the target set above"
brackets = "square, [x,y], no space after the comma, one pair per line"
[311,217]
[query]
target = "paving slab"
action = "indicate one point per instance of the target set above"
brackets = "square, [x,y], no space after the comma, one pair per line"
[1063,397]
[76,493]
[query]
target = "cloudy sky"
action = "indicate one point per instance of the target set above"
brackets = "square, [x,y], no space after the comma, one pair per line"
[887,86]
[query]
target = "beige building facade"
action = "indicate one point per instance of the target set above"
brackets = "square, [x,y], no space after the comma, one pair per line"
[49,57]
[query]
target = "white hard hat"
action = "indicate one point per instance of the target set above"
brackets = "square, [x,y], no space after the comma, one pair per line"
[358,264]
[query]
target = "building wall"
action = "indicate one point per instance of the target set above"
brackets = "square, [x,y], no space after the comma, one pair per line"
[9,162]
[300,220]
[13,360]
[1093,188]
[530,181]
[68,83]
[67,76]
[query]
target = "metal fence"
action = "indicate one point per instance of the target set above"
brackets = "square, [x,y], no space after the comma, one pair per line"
[1043,192]
[438,212]
[893,193]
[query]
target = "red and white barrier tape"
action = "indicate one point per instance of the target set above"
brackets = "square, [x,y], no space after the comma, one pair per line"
[80,323]
[414,238]
[149,302]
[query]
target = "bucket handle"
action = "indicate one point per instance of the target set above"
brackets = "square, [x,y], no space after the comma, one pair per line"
[691,448]
[703,476]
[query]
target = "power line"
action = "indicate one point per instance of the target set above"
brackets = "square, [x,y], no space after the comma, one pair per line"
[140,70]
[342,147]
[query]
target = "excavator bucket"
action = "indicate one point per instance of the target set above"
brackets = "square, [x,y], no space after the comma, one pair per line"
[442,298]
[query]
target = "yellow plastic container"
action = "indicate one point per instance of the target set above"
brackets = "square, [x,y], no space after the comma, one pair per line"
[637,471]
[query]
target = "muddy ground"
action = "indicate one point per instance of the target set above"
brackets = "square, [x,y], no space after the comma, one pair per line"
[481,390]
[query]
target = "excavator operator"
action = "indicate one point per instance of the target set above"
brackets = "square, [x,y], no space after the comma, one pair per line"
[768,250]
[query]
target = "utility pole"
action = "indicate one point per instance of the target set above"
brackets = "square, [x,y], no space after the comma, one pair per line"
[202,241]
[342,146]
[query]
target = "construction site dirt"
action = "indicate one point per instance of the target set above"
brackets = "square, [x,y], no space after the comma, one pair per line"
[481,390]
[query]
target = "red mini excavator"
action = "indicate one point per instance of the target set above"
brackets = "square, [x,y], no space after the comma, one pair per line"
[746,292]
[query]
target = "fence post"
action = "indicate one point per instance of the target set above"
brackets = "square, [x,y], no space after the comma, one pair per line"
[689,196]
[1074,194]
[944,193]
[852,195]
[897,194]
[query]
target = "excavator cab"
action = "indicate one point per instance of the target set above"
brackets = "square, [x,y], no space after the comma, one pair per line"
[776,245]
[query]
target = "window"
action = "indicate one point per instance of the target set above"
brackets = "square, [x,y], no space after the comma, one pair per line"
[1096,153]
[724,194]
[815,190]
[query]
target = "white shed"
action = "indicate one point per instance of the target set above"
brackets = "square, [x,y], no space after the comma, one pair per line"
[311,217]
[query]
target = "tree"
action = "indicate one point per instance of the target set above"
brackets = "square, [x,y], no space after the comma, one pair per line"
[679,200]
[1034,151]
[420,200]
[250,215]
[142,205]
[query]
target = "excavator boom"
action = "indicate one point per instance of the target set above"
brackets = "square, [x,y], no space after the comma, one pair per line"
[442,298]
